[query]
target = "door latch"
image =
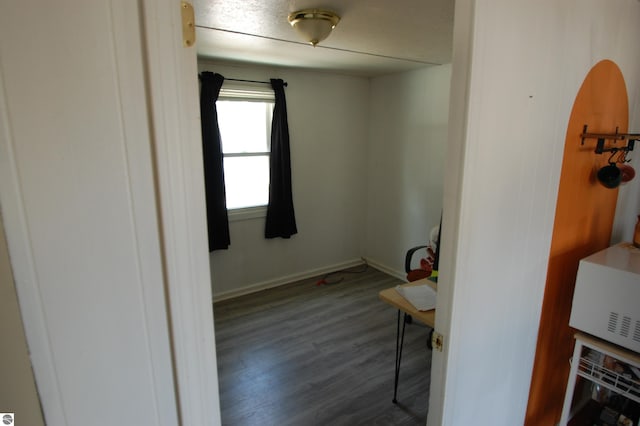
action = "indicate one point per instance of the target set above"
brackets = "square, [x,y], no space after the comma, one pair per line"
[437,341]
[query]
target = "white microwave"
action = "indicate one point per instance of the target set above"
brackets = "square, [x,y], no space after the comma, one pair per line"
[606,300]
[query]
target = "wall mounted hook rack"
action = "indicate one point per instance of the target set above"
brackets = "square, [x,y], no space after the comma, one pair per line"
[600,147]
[630,139]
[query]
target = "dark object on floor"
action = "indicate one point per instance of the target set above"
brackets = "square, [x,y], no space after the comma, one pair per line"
[338,276]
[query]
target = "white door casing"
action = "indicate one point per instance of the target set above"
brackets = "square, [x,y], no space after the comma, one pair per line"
[175,119]
[460,74]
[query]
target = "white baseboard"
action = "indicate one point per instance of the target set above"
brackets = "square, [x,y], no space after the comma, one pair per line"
[387,270]
[217,297]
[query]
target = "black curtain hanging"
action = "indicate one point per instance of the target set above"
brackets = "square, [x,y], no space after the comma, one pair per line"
[217,220]
[281,221]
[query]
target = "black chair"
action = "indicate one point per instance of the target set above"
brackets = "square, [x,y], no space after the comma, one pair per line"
[424,271]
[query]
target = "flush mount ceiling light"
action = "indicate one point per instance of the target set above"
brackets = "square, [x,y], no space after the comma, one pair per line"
[314,25]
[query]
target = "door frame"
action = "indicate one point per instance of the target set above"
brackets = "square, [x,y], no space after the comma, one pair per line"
[175,125]
[172,91]
[443,363]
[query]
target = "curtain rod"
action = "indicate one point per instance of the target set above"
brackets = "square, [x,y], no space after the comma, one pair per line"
[285,84]
[252,81]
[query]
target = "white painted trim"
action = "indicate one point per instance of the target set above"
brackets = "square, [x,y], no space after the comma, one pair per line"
[386,269]
[288,279]
[247,213]
[443,363]
[175,123]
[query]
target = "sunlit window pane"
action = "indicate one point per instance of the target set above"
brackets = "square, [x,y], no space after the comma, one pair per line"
[246,181]
[244,119]
[245,126]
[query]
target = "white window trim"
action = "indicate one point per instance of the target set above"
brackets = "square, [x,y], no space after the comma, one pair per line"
[246,91]
[247,213]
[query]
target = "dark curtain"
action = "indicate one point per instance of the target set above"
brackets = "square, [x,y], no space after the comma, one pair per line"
[281,221]
[217,220]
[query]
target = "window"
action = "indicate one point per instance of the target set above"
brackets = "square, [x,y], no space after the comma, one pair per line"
[244,118]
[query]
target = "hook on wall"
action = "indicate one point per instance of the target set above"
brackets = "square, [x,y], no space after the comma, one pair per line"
[630,138]
[611,176]
[624,149]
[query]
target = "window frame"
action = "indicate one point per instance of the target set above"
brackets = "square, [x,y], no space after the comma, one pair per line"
[248,92]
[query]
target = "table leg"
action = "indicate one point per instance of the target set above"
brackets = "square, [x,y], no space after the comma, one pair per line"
[399,342]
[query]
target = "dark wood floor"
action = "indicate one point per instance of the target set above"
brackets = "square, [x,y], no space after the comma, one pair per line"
[303,354]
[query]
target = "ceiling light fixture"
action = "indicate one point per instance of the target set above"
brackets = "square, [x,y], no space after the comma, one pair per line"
[314,24]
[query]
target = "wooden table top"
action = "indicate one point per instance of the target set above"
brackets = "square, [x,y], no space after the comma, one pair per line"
[393,298]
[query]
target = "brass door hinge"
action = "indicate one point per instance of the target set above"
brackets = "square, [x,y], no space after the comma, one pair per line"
[188,24]
[437,341]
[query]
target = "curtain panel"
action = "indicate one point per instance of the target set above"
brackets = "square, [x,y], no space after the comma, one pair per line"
[217,219]
[281,221]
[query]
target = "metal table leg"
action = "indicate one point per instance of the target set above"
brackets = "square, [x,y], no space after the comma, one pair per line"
[399,342]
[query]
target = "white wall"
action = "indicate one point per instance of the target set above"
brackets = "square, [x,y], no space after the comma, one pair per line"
[405,163]
[527,60]
[367,165]
[328,116]
[79,208]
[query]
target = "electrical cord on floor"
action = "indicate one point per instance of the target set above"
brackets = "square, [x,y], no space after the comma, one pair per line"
[328,280]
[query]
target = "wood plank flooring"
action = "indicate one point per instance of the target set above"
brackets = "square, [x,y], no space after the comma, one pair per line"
[303,354]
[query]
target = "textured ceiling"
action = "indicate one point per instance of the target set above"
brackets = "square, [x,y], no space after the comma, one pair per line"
[374,37]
